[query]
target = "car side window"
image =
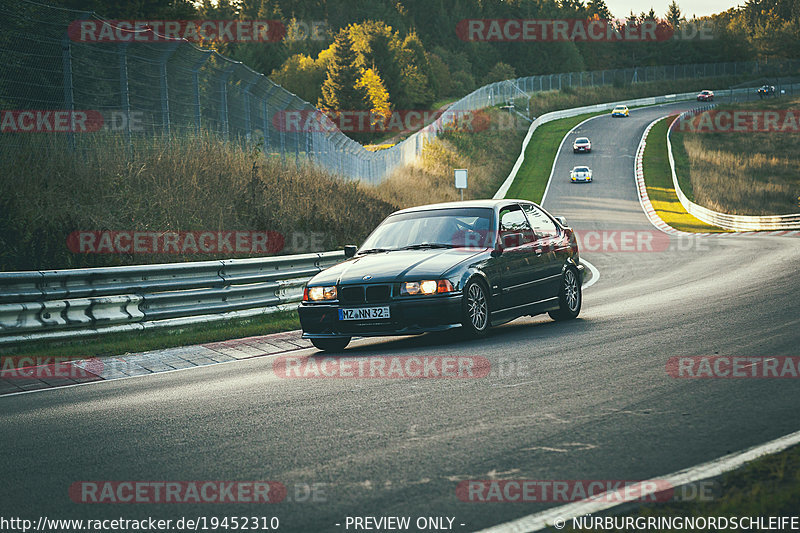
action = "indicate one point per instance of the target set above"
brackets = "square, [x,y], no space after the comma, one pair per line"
[543,226]
[512,220]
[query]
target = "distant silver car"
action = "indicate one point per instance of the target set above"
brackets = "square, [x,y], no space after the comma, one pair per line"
[581,174]
[582,144]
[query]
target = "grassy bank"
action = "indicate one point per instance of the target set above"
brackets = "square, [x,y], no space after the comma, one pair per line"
[188,184]
[742,173]
[769,486]
[488,154]
[660,189]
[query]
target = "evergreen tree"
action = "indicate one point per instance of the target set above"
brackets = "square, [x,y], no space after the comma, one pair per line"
[674,15]
[339,90]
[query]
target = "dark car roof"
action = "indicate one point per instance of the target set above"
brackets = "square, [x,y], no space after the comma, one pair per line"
[492,203]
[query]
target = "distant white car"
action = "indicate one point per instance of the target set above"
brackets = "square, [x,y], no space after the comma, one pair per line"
[582,144]
[581,174]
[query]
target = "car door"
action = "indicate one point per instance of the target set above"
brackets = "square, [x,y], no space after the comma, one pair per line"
[551,252]
[518,259]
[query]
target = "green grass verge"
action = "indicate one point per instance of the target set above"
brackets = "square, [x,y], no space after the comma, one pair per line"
[769,486]
[140,341]
[540,153]
[658,179]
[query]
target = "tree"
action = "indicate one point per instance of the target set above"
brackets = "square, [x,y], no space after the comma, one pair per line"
[674,15]
[599,8]
[339,90]
[376,95]
[501,71]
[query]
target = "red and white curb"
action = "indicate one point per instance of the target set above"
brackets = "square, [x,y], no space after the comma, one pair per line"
[80,371]
[652,215]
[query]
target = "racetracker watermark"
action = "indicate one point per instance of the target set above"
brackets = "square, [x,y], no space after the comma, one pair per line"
[48,368]
[179,242]
[64,121]
[563,491]
[366,121]
[733,367]
[378,367]
[741,121]
[577,30]
[160,492]
[155,31]
[606,241]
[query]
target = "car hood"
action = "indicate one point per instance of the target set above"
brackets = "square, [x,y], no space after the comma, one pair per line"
[396,266]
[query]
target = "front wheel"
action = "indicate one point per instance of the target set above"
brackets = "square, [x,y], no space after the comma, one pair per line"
[475,308]
[570,296]
[335,344]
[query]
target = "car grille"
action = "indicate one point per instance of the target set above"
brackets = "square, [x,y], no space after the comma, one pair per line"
[359,294]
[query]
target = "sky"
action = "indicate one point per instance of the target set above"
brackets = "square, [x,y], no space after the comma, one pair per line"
[700,8]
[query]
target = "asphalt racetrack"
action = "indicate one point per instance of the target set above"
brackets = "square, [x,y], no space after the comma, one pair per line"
[584,400]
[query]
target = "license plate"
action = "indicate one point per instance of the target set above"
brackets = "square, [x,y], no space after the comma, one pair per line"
[364,313]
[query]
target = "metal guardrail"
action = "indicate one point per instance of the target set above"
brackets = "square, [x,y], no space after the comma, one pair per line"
[725,220]
[52,304]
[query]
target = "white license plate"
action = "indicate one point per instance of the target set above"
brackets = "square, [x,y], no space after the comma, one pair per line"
[364,313]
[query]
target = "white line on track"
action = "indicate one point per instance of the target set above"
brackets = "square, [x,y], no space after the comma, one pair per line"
[717,467]
[595,274]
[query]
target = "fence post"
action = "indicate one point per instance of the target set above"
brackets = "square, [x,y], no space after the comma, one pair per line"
[125,101]
[265,119]
[69,98]
[223,97]
[196,88]
[248,130]
[164,87]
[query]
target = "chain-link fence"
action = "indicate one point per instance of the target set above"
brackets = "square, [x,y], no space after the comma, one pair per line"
[51,81]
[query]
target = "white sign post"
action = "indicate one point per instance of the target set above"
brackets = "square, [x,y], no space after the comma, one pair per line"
[461,179]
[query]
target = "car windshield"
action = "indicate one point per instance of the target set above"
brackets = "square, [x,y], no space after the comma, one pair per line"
[619,108]
[582,140]
[434,228]
[581,169]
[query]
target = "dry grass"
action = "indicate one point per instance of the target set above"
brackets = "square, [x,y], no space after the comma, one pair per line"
[488,155]
[47,192]
[745,173]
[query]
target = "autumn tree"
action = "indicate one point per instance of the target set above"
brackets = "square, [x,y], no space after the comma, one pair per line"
[339,89]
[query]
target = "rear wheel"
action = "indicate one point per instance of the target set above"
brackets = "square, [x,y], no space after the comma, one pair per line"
[336,344]
[475,308]
[570,296]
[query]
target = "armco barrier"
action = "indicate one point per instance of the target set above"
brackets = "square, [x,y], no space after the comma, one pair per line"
[724,220]
[71,303]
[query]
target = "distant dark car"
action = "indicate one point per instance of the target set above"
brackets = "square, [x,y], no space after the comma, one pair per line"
[431,268]
[766,90]
[705,96]
[582,144]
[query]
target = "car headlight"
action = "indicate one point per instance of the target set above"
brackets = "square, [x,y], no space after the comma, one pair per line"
[315,294]
[426,287]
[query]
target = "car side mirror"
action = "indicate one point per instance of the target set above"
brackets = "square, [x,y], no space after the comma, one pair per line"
[511,240]
[562,221]
[498,250]
[350,250]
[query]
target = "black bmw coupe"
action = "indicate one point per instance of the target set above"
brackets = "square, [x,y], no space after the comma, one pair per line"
[469,264]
